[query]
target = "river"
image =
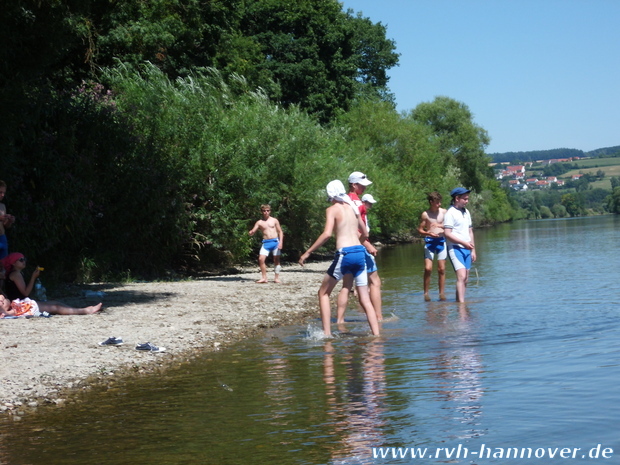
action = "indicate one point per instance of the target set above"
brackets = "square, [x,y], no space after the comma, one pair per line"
[528,367]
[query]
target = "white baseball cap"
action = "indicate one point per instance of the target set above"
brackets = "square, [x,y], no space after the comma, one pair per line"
[368,198]
[357,177]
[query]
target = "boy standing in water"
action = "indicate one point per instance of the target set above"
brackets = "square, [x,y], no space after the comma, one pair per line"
[343,220]
[273,239]
[358,182]
[460,235]
[431,228]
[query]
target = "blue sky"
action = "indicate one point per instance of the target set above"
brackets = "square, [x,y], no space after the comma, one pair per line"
[536,74]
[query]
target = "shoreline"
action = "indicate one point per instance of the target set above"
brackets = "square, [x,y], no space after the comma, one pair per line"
[47,361]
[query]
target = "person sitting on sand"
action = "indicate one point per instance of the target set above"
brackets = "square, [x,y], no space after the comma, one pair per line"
[343,219]
[273,239]
[17,292]
[28,308]
[15,284]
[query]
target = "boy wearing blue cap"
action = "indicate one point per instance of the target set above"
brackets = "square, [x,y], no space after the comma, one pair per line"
[459,233]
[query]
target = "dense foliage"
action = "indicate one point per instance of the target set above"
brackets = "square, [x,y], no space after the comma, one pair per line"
[138,136]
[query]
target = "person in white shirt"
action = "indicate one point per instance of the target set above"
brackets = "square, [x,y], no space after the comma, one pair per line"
[459,234]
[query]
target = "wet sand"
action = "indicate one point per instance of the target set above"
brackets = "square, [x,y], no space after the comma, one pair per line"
[46,360]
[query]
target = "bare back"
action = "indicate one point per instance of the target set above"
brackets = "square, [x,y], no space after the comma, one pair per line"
[346,225]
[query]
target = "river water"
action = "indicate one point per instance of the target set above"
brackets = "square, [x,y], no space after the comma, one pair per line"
[528,367]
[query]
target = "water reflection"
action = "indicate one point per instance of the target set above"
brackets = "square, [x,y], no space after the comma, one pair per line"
[458,365]
[355,387]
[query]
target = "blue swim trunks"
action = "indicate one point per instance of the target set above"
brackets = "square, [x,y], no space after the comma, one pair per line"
[350,260]
[460,257]
[435,246]
[371,264]
[4,246]
[270,245]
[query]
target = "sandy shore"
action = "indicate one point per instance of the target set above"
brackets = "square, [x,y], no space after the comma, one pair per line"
[45,360]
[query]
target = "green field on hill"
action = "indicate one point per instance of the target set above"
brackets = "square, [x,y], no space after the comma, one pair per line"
[611,167]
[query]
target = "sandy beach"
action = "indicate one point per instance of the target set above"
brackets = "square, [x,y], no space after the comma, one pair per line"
[45,360]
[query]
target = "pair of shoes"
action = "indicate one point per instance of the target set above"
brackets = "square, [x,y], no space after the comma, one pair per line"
[112,341]
[148,347]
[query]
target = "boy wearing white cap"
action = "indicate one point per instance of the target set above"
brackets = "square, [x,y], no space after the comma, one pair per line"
[358,182]
[343,220]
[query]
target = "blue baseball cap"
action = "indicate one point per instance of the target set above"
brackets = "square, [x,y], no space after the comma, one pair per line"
[459,191]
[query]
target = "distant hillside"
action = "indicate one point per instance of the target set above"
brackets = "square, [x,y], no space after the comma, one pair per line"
[523,157]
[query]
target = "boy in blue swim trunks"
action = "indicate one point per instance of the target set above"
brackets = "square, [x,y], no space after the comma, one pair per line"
[460,236]
[431,228]
[273,239]
[358,182]
[343,220]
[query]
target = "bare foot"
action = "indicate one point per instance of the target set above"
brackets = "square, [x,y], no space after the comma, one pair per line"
[93,309]
[442,296]
[261,281]
[427,298]
[277,281]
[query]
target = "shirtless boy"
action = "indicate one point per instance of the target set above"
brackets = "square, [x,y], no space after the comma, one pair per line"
[273,239]
[358,182]
[431,228]
[6,221]
[343,220]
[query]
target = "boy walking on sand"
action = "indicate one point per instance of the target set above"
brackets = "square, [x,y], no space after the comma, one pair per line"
[431,228]
[273,239]
[343,220]
[460,235]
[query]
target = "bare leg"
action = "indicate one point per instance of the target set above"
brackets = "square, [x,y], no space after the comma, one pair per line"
[375,293]
[428,269]
[58,308]
[324,305]
[365,301]
[263,268]
[343,299]
[441,271]
[276,263]
[462,276]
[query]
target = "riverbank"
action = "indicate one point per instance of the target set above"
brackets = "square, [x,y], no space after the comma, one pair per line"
[46,360]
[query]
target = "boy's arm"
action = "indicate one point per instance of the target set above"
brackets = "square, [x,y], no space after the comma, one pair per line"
[473,244]
[330,221]
[455,239]
[280,235]
[424,225]
[254,229]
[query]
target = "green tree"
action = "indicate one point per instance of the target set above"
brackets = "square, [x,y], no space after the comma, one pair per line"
[462,142]
[613,201]
[572,204]
[320,57]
